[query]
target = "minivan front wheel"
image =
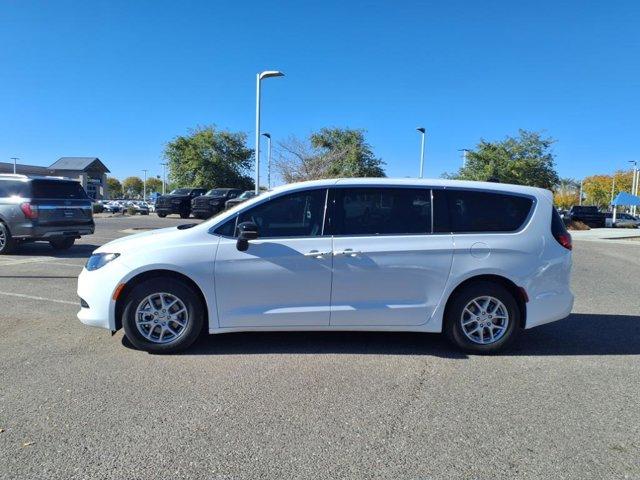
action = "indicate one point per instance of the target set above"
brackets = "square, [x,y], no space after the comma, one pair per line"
[162,316]
[482,317]
[7,244]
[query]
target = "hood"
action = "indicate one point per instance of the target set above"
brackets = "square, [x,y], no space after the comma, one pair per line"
[143,240]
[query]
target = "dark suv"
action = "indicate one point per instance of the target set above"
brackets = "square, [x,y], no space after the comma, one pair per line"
[588,214]
[212,202]
[53,209]
[177,201]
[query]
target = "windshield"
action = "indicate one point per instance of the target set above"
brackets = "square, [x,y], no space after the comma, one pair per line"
[246,195]
[57,189]
[180,191]
[216,192]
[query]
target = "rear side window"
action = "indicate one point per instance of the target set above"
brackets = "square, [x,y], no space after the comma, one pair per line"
[476,211]
[58,189]
[380,211]
[12,188]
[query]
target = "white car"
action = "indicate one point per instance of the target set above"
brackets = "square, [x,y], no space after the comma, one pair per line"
[477,261]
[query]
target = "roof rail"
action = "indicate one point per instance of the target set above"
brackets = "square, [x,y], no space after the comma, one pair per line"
[13,175]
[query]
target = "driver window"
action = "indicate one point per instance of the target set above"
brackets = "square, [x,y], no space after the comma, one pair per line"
[298,214]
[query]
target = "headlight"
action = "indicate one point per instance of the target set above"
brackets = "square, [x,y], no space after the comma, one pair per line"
[99,260]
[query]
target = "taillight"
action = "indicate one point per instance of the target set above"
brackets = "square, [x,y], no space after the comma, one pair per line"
[30,211]
[564,239]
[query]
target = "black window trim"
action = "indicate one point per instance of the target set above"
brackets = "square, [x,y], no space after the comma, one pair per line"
[327,212]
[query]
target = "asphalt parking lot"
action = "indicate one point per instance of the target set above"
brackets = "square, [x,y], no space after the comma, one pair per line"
[78,403]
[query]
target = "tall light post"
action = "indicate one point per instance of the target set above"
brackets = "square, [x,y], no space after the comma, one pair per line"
[144,186]
[15,164]
[580,198]
[268,135]
[464,151]
[259,77]
[634,182]
[422,132]
[164,177]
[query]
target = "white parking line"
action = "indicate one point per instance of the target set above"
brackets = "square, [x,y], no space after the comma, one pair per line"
[45,260]
[32,297]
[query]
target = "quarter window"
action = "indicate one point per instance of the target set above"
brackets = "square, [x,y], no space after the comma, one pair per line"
[381,211]
[476,211]
[298,214]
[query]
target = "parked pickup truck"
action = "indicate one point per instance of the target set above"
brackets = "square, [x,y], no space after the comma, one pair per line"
[587,214]
[212,202]
[178,201]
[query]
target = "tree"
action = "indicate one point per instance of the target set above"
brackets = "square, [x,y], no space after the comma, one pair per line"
[132,187]
[208,158]
[154,185]
[114,187]
[523,160]
[329,153]
[567,193]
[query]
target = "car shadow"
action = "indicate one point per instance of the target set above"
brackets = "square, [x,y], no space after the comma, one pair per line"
[83,250]
[579,334]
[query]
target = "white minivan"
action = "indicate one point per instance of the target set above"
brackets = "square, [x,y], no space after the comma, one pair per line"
[477,261]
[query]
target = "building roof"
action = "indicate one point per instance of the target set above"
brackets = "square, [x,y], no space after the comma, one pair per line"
[24,169]
[79,163]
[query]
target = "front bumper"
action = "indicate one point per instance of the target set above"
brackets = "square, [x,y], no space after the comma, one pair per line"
[96,288]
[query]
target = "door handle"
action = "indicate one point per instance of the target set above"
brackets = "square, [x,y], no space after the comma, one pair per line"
[316,254]
[349,252]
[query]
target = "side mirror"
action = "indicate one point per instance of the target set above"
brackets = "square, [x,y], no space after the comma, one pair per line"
[246,231]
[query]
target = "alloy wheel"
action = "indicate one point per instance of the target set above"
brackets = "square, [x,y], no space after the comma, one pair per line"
[161,317]
[484,320]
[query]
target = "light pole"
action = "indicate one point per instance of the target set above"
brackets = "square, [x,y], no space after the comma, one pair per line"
[422,132]
[144,186]
[580,198]
[464,151]
[634,182]
[164,177]
[15,160]
[268,135]
[259,77]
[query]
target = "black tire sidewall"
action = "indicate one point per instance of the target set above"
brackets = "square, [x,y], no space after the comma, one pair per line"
[453,328]
[192,301]
[9,242]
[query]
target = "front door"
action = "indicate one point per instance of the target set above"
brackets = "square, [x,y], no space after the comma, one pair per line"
[388,267]
[284,278]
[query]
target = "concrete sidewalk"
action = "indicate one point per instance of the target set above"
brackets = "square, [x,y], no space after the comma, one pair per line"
[609,235]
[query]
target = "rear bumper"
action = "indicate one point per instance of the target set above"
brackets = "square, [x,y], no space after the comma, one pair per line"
[33,231]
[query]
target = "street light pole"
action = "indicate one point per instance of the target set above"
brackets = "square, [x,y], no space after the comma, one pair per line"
[580,199]
[634,183]
[259,77]
[144,186]
[15,165]
[464,151]
[268,135]
[164,177]
[422,132]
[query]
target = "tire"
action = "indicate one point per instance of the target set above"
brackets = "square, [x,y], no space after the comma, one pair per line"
[162,215]
[62,243]
[154,340]
[463,309]
[184,215]
[7,243]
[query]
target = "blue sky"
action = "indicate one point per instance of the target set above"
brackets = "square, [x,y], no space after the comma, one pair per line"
[118,79]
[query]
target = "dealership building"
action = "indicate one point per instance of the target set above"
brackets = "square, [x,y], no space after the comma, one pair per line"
[89,171]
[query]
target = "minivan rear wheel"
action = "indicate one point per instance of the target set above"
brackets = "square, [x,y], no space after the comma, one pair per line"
[7,243]
[62,243]
[482,317]
[162,316]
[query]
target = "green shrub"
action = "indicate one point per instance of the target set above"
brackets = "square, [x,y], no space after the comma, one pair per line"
[98,208]
[131,210]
